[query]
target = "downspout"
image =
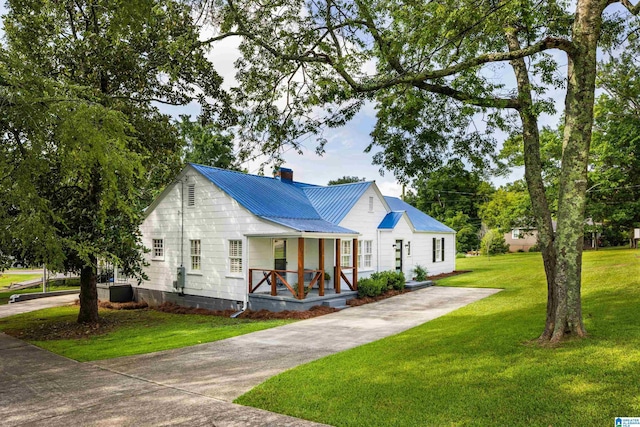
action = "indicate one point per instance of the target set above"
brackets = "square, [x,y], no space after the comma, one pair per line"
[182,223]
[243,308]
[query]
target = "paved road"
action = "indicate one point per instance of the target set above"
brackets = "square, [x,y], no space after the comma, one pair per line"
[194,385]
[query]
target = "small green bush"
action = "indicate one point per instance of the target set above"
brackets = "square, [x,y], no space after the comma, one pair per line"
[420,273]
[371,287]
[327,276]
[534,248]
[461,255]
[391,279]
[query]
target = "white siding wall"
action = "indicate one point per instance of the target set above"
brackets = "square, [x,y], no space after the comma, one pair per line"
[421,250]
[366,223]
[215,219]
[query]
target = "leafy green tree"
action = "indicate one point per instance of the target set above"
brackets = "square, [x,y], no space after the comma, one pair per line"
[207,144]
[493,243]
[450,189]
[614,182]
[508,208]
[84,148]
[466,232]
[345,180]
[433,71]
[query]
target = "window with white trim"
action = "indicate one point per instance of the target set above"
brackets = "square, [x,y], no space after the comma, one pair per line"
[437,250]
[370,204]
[235,256]
[517,233]
[364,253]
[196,255]
[345,258]
[191,195]
[157,250]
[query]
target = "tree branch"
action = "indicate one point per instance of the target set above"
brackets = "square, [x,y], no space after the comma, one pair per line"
[469,99]
[635,10]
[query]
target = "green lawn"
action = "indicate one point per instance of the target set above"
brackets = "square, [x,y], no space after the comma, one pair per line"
[7,279]
[137,331]
[477,365]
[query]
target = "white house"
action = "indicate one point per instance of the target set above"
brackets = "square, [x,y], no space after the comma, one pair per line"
[219,237]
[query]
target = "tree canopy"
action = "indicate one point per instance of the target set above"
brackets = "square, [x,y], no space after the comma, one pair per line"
[84,146]
[345,180]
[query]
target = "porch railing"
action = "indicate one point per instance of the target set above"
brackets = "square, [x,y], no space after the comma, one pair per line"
[279,277]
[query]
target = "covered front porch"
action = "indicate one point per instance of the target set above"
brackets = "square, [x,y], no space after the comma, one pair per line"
[310,267]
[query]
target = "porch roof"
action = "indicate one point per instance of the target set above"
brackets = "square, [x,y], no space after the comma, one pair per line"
[304,234]
[310,225]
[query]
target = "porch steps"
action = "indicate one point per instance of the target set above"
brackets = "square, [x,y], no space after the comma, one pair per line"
[338,303]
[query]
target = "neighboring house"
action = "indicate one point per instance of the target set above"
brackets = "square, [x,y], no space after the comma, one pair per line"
[521,239]
[219,236]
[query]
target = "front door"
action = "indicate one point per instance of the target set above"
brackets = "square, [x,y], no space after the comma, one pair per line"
[279,254]
[398,255]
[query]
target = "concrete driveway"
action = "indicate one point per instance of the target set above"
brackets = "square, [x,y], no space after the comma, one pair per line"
[194,385]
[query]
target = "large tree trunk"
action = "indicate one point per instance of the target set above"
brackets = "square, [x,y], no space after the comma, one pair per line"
[573,175]
[88,294]
[535,184]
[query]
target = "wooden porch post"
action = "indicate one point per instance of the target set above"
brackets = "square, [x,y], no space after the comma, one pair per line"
[321,266]
[337,279]
[274,291]
[354,279]
[300,267]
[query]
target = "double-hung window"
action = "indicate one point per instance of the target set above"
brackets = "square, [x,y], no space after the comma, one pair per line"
[235,256]
[364,253]
[345,260]
[157,251]
[438,249]
[196,255]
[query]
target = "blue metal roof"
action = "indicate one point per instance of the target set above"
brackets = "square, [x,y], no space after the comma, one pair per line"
[310,225]
[271,199]
[390,220]
[420,220]
[334,202]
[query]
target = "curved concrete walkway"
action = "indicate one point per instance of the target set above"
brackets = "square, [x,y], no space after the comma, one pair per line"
[194,385]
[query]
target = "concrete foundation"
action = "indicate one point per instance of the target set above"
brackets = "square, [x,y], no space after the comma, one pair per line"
[154,297]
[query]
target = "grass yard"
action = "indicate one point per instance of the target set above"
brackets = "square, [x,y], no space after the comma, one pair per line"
[477,366]
[6,279]
[126,332]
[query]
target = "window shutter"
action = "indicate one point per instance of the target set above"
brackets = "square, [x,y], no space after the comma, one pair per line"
[442,249]
[434,249]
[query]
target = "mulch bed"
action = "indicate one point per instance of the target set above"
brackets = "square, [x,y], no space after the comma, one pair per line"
[315,311]
[65,330]
[367,300]
[443,275]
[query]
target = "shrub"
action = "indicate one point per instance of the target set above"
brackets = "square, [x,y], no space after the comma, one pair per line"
[391,279]
[461,255]
[420,273]
[327,276]
[493,243]
[534,248]
[371,287]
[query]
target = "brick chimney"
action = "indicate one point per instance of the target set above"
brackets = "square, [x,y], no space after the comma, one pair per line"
[285,174]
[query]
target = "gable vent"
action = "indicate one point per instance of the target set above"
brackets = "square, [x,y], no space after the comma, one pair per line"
[191,195]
